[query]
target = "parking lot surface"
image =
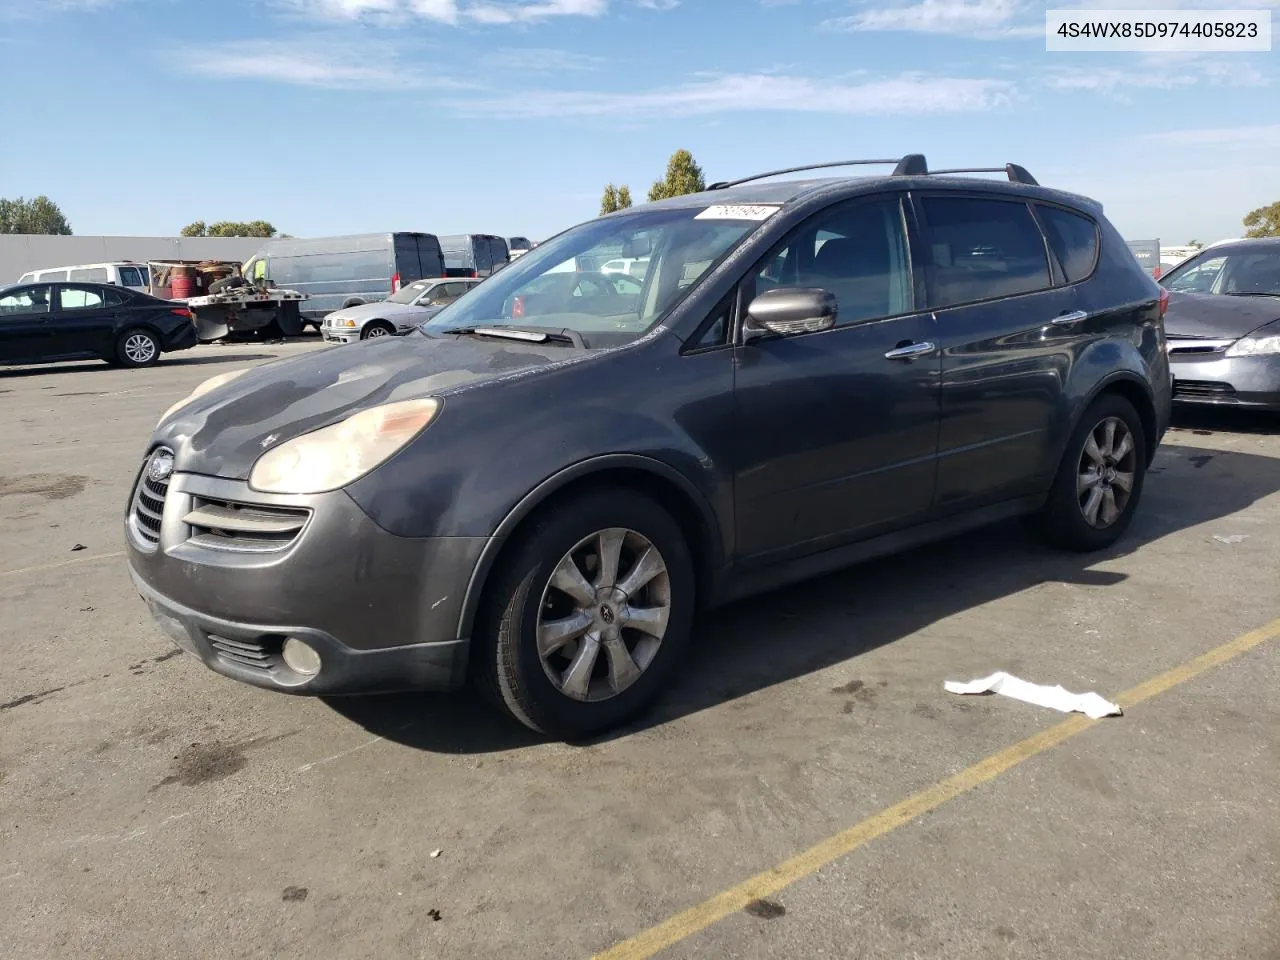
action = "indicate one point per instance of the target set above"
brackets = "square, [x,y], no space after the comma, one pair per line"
[150,808]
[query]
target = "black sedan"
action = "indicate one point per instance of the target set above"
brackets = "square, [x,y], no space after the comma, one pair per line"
[50,322]
[1223,325]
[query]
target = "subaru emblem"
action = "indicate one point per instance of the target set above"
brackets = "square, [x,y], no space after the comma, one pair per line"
[161,467]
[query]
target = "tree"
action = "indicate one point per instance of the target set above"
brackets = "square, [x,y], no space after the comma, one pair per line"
[615,199]
[1196,243]
[683,176]
[40,215]
[1263,222]
[229,228]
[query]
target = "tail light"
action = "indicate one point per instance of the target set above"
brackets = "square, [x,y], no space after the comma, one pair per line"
[475,274]
[183,312]
[1156,272]
[395,283]
[1164,302]
[517,308]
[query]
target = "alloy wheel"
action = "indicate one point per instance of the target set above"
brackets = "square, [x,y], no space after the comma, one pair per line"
[140,348]
[604,614]
[1105,477]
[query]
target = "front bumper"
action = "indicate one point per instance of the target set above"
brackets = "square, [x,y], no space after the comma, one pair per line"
[1252,382]
[382,611]
[339,334]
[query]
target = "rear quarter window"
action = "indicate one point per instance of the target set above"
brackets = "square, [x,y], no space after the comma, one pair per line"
[90,275]
[984,249]
[1073,239]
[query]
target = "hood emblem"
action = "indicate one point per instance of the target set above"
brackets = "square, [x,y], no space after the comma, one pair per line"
[268,441]
[161,467]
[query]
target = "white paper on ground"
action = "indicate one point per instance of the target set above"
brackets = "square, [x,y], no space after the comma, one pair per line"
[1056,698]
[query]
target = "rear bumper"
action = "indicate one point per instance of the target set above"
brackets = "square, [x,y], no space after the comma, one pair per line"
[1252,382]
[184,338]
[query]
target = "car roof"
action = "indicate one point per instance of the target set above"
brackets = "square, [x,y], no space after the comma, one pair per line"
[1248,245]
[785,192]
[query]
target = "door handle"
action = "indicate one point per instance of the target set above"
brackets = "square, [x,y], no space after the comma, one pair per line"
[1065,319]
[910,351]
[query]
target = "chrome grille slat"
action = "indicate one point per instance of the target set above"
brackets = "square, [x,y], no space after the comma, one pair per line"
[245,653]
[148,501]
[243,527]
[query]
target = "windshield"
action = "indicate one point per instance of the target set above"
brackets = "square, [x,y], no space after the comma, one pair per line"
[1251,273]
[562,284]
[408,294]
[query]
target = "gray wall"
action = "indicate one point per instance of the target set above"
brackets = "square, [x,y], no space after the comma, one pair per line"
[21,252]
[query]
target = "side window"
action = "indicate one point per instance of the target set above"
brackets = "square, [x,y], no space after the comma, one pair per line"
[1199,278]
[453,291]
[857,252]
[130,277]
[52,276]
[1074,240]
[24,302]
[716,331]
[116,298]
[78,298]
[89,275]
[983,249]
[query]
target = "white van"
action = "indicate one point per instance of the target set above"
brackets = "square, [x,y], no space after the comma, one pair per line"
[124,273]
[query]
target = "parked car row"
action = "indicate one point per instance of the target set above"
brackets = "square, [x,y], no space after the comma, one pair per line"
[538,488]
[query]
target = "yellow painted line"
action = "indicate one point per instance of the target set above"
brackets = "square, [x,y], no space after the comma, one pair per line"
[696,919]
[58,566]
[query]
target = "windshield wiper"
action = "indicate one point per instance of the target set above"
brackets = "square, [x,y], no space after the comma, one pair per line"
[1254,293]
[522,334]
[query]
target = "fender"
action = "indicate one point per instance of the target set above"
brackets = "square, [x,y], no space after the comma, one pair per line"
[557,481]
[1126,365]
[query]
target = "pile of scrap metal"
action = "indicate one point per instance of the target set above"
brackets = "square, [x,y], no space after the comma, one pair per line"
[225,304]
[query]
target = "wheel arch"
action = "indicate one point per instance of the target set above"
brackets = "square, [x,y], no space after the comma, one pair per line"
[353,302]
[1138,393]
[665,484]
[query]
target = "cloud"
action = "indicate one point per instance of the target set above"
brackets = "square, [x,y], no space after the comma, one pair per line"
[908,93]
[980,19]
[447,11]
[312,63]
[542,60]
[1157,72]
[1259,137]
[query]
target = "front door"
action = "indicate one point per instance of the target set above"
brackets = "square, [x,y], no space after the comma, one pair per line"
[837,430]
[1008,324]
[25,330]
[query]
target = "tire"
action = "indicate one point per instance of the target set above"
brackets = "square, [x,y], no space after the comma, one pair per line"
[375,329]
[289,319]
[352,303]
[545,693]
[137,347]
[1089,479]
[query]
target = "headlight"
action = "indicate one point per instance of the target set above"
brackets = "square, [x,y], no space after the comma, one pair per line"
[213,383]
[338,454]
[1254,346]
[344,323]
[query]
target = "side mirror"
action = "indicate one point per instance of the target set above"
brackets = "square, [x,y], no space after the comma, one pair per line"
[789,310]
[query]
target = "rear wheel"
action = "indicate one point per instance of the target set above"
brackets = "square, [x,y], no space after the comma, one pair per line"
[1099,482]
[587,617]
[137,348]
[375,329]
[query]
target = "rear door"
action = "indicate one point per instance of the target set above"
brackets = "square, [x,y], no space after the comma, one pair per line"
[25,329]
[408,261]
[482,257]
[1008,326]
[132,278]
[84,319]
[430,256]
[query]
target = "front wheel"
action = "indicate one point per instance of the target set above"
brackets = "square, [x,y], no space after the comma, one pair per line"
[1099,482]
[588,616]
[137,348]
[375,329]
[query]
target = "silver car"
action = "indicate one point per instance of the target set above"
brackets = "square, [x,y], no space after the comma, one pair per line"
[1223,325]
[405,309]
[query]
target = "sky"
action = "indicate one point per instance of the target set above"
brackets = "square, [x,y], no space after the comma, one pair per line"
[509,116]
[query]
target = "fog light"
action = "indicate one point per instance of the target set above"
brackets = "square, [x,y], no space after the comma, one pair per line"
[300,657]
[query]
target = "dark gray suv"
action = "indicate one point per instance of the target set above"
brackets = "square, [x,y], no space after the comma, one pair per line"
[542,486]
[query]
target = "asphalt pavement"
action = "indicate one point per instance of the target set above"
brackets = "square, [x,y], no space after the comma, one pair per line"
[149,808]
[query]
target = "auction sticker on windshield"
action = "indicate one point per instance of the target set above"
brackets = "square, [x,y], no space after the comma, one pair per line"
[739,211]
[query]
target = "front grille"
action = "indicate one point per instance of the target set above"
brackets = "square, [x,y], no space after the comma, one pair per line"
[261,653]
[148,498]
[250,528]
[1203,388]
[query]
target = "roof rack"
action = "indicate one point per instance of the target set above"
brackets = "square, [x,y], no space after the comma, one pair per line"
[1013,171]
[912,165]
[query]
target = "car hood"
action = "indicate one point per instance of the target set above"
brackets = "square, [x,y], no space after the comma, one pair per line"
[368,311]
[1216,317]
[225,431]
